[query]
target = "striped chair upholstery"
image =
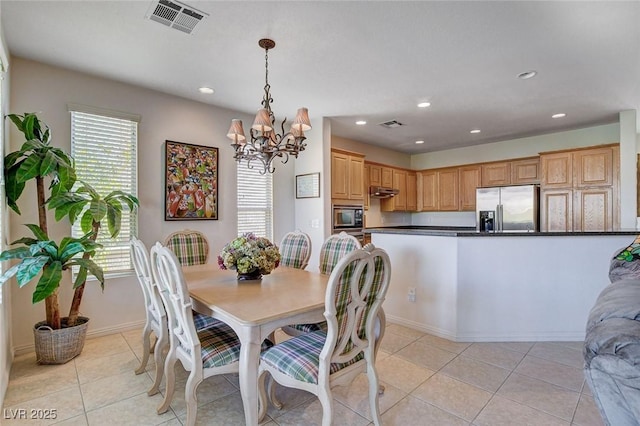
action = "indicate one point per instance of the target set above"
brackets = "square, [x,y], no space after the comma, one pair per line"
[217,349]
[333,249]
[295,250]
[190,247]
[316,361]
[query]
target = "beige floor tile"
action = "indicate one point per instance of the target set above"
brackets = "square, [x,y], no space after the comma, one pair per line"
[172,422]
[40,382]
[426,355]
[233,378]
[310,414]
[477,373]
[543,396]
[412,411]
[209,390]
[503,412]
[578,346]
[392,343]
[522,347]
[587,413]
[453,396]
[356,396]
[108,390]
[402,374]
[552,372]
[134,411]
[404,331]
[46,410]
[90,369]
[80,420]
[558,353]
[586,389]
[447,345]
[491,354]
[226,411]
[26,365]
[104,346]
[290,399]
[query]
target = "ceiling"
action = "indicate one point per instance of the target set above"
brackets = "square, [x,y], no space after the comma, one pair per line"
[370,61]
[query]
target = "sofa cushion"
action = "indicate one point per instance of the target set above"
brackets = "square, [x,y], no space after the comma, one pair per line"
[625,264]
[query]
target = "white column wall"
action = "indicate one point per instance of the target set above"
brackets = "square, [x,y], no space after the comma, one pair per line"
[628,170]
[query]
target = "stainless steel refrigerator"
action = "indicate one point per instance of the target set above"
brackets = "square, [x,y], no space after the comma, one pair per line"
[507,209]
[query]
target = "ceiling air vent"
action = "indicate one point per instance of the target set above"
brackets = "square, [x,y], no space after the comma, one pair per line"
[175,15]
[392,124]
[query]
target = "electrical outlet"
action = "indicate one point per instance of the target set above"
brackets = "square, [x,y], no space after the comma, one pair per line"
[411,294]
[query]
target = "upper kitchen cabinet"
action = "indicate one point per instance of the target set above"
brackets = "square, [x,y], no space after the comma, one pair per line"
[594,167]
[496,174]
[525,171]
[438,190]
[375,175]
[347,177]
[399,201]
[469,180]
[427,190]
[557,170]
[412,191]
[367,173]
[386,177]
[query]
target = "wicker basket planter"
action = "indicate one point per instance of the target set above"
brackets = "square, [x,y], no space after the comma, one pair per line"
[59,346]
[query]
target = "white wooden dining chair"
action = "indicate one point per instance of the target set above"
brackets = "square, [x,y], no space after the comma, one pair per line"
[295,250]
[204,353]
[333,249]
[319,360]
[156,315]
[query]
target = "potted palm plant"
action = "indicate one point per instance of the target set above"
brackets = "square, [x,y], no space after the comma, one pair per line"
[40,256]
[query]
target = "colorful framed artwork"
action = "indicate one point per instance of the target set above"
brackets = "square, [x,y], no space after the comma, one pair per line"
[191,182]
[308,186]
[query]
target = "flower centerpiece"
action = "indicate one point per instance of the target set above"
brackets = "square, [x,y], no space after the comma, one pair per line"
[251,256]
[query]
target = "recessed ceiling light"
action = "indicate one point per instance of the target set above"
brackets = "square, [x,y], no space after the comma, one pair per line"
[560,115]
[527,74]
[419,142]
[361,122]
[475,131]
[424,104]
[206,90]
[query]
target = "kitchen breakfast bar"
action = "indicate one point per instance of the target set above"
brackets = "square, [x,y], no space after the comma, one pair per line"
[480,286]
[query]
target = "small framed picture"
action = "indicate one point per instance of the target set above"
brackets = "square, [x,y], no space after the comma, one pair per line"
[308,185]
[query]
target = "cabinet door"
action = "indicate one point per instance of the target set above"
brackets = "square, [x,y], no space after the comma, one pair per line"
[339,175]
[427,191]
[556,210]
[593,167]
[593,209]
[494,174]
[375,175]
[356,178]
[469,181]
[386,177]
[412,191]
[557,170]
[400,183]
[448,199]
[367,173]
[525,171]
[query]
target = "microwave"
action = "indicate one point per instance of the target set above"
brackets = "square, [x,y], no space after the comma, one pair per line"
[347,217]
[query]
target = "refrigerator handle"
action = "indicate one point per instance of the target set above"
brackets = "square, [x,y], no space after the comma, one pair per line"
[499,218]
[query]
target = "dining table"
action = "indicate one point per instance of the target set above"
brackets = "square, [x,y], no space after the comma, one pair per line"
[254,310]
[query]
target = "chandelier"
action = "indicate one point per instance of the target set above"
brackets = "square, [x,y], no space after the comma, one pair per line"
[266,144]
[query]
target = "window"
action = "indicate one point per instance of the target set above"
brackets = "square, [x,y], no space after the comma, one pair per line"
[104,147]
[255,201]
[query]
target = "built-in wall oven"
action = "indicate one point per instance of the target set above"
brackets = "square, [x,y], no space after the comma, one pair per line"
[350,219]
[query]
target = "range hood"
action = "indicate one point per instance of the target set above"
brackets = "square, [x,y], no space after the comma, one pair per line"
[382,192]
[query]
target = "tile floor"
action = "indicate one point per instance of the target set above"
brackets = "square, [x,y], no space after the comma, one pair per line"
[428,380]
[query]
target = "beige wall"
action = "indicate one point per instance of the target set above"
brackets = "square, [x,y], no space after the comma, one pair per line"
[373,153]
[47,89]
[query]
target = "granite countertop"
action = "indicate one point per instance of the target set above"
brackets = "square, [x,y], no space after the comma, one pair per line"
[462,231]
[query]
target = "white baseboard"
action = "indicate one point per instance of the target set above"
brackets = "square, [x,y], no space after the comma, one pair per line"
[489,337]
[91,334]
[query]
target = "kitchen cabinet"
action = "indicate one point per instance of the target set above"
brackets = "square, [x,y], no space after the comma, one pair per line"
[496,174]
[386,177]
[469,180]
[347,176]
[580,189]
[427,190]
[367,173]
[375,175]
[438,190]
[412,191]
[448,190]
[525,171]
[398,202]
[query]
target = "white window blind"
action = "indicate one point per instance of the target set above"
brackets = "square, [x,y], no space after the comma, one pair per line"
[255,201]
[105,153]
